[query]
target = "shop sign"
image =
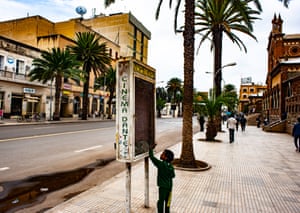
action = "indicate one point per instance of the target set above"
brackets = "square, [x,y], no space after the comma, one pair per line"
[65,92]
[29,90]
[67,86]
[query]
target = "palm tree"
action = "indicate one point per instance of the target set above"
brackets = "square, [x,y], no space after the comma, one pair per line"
[94,58]
[187,158]
[161,99]
[108,80]
[174,86]
[214,17]
[212,108]
[55,64]
[231,96]
[285,2]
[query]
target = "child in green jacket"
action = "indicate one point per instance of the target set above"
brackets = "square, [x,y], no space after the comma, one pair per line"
[164,178]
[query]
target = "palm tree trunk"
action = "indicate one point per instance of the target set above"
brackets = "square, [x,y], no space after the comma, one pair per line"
[187,158]
[217,39]
[111,96]
[85,97]
[56,114]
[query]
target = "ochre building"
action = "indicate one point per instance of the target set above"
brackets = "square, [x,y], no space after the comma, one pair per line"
[123,34]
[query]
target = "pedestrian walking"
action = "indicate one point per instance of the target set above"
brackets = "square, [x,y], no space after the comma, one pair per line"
[243,122]
[258,121]
[296,135]
[237,118]
[201,122]
[165,174]
[231,125]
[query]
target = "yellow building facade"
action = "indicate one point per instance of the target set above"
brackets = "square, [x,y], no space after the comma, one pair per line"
[123,34]
[125,30]
[250,97]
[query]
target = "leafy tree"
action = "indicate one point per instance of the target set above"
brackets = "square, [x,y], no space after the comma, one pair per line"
[174,88]
[108,80]
[161,99]
[94,58]
[198,105]
[54,65]
[231,96]
[212,107]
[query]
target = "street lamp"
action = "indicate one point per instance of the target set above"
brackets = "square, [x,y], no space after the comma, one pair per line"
[219,70]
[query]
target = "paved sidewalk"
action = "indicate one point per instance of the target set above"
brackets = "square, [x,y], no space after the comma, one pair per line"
[259,172]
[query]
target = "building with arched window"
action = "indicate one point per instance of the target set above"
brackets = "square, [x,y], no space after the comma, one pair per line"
[281,100]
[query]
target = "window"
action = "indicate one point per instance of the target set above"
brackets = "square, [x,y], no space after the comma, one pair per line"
[244,96]
[20,69]
[1,62]
[245,90]
[252,90]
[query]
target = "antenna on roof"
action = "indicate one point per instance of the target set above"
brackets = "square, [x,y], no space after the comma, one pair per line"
[80,10]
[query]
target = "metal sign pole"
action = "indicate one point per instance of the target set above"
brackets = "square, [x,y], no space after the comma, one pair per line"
[146,182]
[128,187]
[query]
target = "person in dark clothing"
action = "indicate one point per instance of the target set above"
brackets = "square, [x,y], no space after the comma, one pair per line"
[243,122]
[296,134]
[258,121]
[201,121]
[164,178]
[237,118]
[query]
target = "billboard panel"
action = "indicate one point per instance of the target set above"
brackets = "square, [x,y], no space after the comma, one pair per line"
[135,126]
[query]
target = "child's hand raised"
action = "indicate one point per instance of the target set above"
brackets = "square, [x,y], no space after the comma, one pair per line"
[152,146]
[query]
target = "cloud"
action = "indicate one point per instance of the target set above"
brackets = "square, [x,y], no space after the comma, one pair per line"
[166,48]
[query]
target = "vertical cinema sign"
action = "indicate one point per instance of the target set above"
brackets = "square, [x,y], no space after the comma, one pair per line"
[135,99]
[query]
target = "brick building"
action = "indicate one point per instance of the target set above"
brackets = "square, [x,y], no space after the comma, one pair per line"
[281,101]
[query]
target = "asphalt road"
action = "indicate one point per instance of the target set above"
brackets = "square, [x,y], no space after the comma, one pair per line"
[27,150]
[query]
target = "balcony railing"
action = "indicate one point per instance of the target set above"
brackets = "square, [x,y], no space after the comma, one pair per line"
[293,104]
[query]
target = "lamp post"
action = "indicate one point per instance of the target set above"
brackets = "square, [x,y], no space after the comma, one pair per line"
[216,74]
[217,93]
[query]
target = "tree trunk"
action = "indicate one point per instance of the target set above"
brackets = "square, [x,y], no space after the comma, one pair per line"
[211,130]
[217,39]
[85,102]
[56,114]
[187,158]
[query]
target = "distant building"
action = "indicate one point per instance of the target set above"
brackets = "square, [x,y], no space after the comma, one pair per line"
[18,95]
[282,97]
[250,96]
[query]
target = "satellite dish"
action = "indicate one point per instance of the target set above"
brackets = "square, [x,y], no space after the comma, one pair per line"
[80,10]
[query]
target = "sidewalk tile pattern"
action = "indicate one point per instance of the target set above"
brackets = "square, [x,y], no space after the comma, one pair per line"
[259,172]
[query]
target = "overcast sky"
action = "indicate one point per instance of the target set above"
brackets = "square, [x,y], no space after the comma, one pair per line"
[166,48]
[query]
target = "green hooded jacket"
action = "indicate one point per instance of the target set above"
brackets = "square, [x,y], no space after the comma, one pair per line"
[165,172]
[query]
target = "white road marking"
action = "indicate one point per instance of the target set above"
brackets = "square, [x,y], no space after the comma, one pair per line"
[4,168]
[90,148]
